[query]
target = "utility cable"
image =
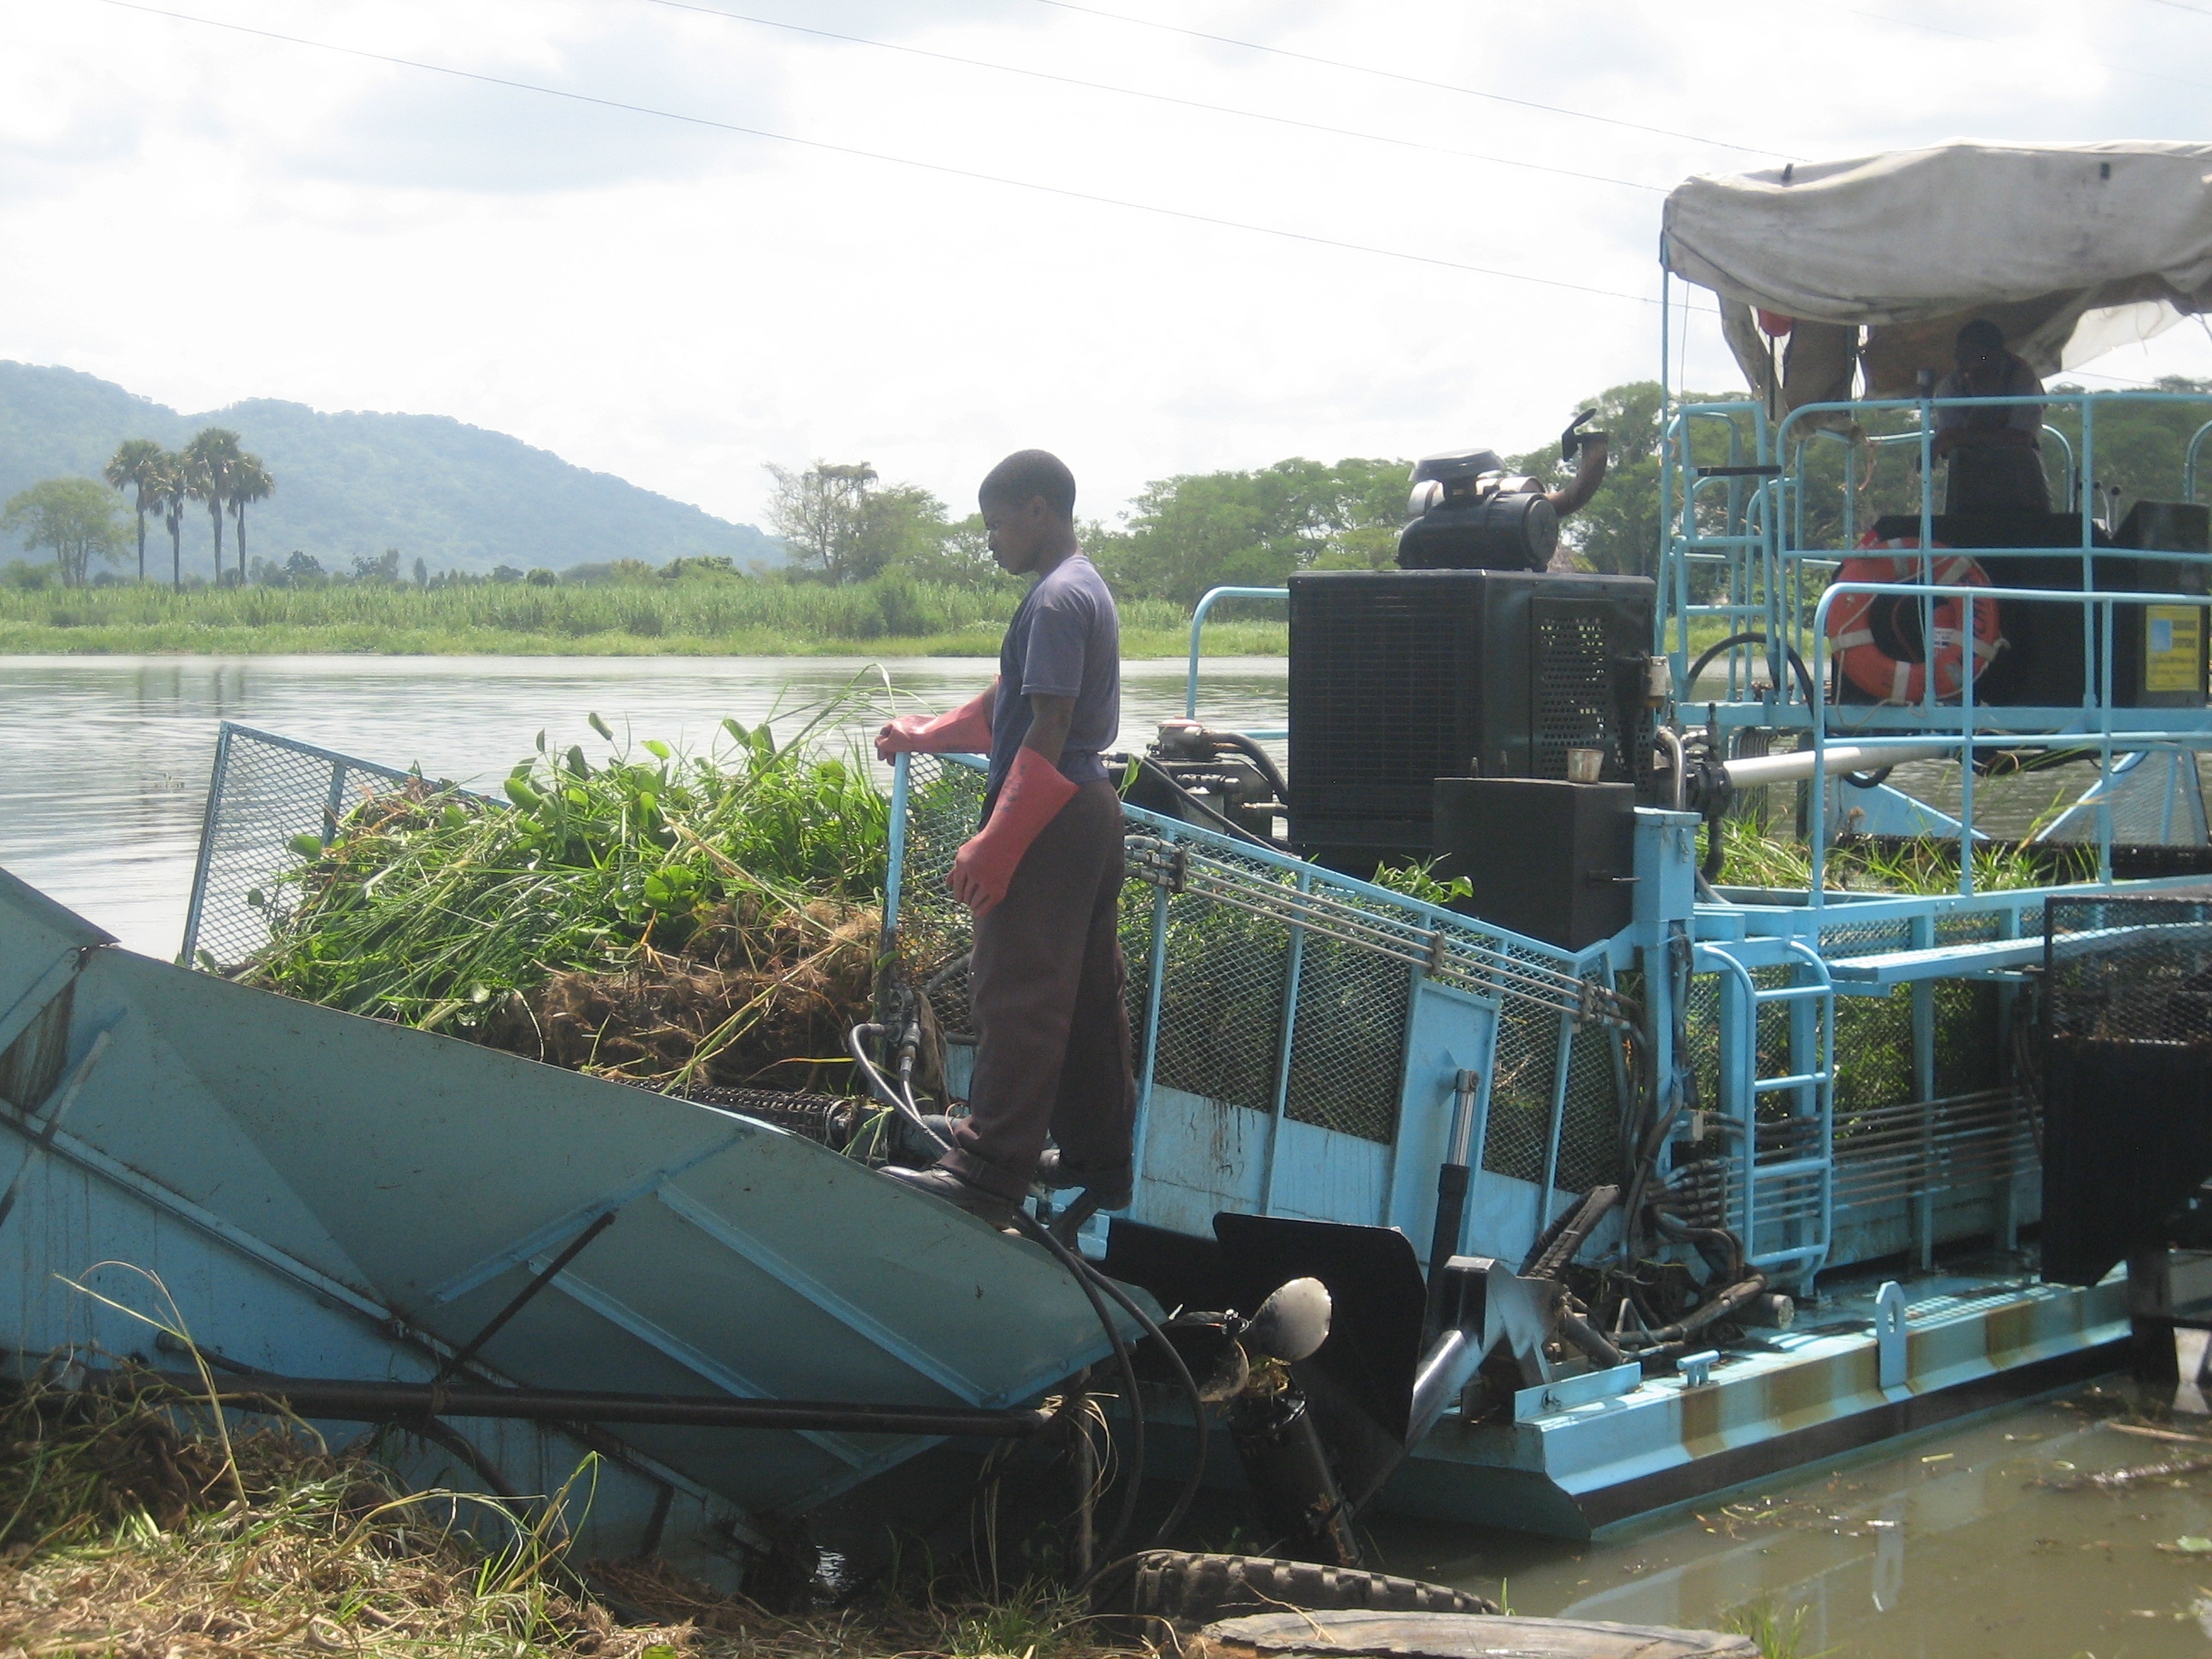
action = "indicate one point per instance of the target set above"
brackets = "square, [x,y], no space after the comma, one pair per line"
[1153,97]
[973,174]
[1409,80]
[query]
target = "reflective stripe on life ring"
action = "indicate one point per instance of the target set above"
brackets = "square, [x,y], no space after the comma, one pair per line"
[1892,679]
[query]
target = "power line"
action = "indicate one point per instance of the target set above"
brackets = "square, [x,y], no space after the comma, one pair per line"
[1407,80]
[1061,191]
[1154,97]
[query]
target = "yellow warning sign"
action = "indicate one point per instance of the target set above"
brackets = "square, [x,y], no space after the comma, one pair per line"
[2173,655]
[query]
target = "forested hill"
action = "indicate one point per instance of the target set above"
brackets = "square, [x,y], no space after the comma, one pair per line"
[456,496]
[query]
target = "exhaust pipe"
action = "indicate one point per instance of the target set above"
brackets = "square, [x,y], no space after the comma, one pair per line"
[1749,771]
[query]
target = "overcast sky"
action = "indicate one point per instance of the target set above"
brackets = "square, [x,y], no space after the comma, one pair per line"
[981,244]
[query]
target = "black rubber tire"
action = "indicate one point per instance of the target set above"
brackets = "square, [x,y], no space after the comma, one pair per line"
[1188,1590]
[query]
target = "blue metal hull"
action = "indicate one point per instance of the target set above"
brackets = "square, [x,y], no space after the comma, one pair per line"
[314,1194]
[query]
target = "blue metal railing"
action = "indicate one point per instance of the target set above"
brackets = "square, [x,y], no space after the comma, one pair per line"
[2189,466]
[1198,627]
[1766,572]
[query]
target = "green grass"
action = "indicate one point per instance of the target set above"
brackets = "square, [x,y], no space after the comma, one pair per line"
[706,618]
[738,885]
[1775,860]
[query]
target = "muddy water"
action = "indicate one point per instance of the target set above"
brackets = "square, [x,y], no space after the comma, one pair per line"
[106,759]
[1984,1540]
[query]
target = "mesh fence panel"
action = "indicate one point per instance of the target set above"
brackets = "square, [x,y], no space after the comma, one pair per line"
[266,792]
[1589,1128]
[1864,939]
[1522,1080]
[1227,979]
[1348,1047]
[1874,1055]
[944,802]
[2130,969]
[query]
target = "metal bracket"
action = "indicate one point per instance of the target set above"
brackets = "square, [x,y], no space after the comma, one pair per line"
[1162,864]
[1891,1364]
[522,1298]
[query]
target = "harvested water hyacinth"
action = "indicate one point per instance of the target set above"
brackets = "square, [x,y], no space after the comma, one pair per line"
[657,917]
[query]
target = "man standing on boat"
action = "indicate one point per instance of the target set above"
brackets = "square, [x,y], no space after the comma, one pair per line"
[1995,451]
[1043,875]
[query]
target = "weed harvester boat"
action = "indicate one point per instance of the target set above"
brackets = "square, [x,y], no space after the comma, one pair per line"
[1619,1183]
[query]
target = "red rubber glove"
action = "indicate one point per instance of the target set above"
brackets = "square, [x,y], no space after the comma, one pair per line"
[963,731]
[1030,797]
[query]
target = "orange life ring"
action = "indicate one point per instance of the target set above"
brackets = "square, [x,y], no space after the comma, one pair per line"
[1856,620]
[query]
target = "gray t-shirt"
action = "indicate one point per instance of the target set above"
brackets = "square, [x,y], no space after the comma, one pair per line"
[1065,641]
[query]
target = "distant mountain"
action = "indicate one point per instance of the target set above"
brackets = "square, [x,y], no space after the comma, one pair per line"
[456,496]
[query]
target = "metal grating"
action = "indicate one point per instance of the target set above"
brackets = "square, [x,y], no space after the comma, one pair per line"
[2130,969]
[1864,939]
[265,792]
[943,804]
[1348,1042]
[1590,1130]
[1521,1086]
[1221,1006]
[1376,701]
[1573,687]
[1873,1055]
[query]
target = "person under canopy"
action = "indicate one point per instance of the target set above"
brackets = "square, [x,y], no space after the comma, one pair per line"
[1994,449]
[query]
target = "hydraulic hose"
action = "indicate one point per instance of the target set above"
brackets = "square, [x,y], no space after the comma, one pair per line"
[1154,769]
[1092,1282]
[1715,1307]
[1797,663]
[1856,779]
[1250,749]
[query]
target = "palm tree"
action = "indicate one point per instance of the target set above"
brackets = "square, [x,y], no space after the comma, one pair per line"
[249,481]
[208,461]
[173,493]
[135,465]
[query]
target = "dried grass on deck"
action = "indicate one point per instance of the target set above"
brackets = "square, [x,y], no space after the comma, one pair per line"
[124,1536]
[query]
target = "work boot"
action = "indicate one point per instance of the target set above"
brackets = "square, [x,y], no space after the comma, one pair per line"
[961,1193]
[1113,1194]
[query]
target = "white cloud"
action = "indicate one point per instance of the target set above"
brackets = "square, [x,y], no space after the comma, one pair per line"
[206,216]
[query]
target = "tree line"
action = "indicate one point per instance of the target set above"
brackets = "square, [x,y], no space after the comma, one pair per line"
[1185,534]
[842,524]
[76,518]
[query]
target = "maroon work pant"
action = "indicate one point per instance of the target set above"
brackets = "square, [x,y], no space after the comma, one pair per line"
[1052,1028]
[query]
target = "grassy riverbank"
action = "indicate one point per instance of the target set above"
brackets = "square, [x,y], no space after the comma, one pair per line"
[751,618]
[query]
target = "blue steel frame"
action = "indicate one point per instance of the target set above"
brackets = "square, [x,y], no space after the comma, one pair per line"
[1765,573]
[1747,524]
[1465,970]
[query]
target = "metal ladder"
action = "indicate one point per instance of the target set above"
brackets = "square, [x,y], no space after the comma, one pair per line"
[1792,1192]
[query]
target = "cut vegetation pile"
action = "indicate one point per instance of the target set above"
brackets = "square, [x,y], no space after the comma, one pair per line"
[659,918]
[133,1528]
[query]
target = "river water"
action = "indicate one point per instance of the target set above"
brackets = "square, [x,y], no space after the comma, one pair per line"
[107,758]
[1962,1545]
[1979,1541]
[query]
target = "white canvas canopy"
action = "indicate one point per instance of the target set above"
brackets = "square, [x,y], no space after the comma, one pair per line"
[2071,249]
